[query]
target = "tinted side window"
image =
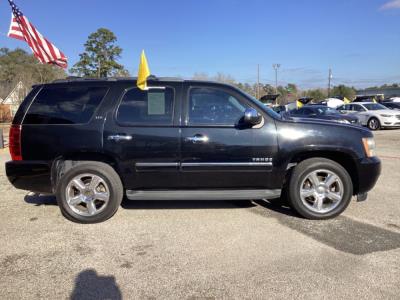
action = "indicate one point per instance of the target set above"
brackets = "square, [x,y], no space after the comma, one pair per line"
[65,105]
[151,107]
[308,112]
[209,106]
[359,108]
[297,112]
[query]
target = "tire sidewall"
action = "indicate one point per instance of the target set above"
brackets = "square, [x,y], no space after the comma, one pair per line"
[113,202]
[299,174]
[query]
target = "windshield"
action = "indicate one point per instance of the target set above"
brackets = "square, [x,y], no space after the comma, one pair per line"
[374,106]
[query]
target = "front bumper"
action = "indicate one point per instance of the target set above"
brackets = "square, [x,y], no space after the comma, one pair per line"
[368,170]
[32,176]
[390,122]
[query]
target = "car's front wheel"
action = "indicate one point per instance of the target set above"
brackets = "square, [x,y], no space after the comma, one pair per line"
[374,124]
[320,188]
[89,192]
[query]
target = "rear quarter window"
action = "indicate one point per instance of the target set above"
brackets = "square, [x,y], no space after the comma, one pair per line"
[65,105]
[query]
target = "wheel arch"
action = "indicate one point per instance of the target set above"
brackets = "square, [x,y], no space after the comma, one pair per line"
[65,162]
[344,159]
[374,117]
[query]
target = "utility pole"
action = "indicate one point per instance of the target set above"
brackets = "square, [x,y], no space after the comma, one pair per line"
[276,67]
[258,81]
[329,82]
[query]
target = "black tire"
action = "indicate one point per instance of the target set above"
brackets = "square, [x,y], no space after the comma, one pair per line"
[106,173]
[301,171]
[374,124]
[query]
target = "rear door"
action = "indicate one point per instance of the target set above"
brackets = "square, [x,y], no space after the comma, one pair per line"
[62,120]
[216,151]
[142,131]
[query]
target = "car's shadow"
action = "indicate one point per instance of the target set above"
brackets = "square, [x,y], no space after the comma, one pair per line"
[279,206]
[40,199]
[181,204]
[342,233]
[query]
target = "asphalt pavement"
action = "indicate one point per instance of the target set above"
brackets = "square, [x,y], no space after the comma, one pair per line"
[204,249]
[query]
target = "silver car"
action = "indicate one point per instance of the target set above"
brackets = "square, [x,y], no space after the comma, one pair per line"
[373,115]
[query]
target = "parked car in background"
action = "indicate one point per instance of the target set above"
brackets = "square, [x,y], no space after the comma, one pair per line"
[373,115]
[391,105]
[333,102]
[325,113]
[280,109]
[365,99]
[395,99]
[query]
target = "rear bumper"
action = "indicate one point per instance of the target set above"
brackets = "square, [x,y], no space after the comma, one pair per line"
[368,170]
[31,176]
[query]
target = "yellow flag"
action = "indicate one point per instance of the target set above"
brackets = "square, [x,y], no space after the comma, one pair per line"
[346,101]
[143,72]
[299,104]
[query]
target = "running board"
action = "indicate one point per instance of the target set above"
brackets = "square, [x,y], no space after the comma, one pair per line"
[203,194]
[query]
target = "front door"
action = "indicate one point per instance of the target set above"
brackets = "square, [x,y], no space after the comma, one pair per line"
[142,132]
[216,151]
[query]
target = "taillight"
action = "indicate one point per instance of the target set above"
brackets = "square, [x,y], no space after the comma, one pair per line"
[15,142]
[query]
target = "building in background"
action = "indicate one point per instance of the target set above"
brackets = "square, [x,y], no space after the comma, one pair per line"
[388,92]
[9,105]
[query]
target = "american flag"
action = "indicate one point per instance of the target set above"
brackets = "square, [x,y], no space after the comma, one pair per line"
[23,30]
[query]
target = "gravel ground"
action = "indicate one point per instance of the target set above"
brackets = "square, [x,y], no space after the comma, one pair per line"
[204,250]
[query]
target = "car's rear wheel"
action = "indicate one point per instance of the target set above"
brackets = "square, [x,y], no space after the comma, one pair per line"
[320,188]
[374,124]
[89,192]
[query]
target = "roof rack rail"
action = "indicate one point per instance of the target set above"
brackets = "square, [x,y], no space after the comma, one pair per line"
[116,78]
[78,78]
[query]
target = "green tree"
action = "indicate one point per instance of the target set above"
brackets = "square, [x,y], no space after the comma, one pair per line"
[18,65]
[343,91]
[316,94]
[268,89]
[100,56]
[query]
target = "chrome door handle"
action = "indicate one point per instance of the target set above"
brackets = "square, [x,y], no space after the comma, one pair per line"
[198,138]
[119,137]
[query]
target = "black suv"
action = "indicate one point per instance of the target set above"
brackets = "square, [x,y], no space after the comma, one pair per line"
[92,142]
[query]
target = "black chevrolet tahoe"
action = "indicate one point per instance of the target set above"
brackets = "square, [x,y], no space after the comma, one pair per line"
[92,142]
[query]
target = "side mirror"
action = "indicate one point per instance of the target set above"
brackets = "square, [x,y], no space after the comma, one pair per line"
[252,117]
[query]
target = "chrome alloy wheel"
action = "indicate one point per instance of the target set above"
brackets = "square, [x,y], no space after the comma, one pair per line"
[321,191]
[87,194]
[374,124]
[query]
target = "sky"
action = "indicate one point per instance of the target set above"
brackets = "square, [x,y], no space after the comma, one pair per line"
[358,39]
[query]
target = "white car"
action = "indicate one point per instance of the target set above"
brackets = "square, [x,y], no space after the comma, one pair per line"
[373,115]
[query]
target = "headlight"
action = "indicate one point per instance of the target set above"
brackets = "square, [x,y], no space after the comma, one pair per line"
[369,146]
[344,121]
[386,116]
